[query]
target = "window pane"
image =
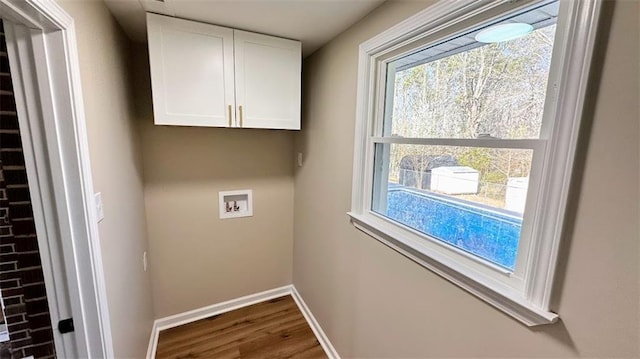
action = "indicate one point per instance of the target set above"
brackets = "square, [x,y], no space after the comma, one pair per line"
[465,89]
[469,197]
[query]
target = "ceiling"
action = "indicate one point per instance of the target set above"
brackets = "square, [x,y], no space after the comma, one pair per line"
[314,22]
[540,15]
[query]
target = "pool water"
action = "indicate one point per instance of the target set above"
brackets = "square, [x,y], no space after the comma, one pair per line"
[490,233]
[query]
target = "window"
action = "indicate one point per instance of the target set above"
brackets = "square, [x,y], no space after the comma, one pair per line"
[467,120]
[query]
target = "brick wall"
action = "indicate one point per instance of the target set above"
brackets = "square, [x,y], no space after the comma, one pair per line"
[21,278]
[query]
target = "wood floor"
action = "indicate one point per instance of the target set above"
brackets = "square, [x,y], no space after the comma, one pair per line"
[271,329]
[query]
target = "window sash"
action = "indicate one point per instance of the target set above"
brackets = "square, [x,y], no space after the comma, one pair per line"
[531,144]
[530,217]
[383,83]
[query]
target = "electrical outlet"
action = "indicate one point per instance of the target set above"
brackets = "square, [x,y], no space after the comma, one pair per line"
[144,261]
[299,159]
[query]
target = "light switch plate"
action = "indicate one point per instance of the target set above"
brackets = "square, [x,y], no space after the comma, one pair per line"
[99,207]
[144,261]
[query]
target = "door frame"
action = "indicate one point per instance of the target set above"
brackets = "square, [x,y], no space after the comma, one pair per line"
[48,92]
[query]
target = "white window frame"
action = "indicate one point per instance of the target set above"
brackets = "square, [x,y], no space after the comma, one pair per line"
[525,294]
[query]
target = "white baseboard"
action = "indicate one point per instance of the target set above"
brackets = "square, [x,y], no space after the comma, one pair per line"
[215,309]
[315,326]
[153,341]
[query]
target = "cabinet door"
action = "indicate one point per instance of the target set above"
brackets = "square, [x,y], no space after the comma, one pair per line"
[268,73]
[191,72]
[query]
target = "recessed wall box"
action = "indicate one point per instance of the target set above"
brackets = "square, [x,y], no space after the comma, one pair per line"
[234,204]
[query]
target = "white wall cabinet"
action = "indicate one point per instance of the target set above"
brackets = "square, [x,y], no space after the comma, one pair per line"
[207,75]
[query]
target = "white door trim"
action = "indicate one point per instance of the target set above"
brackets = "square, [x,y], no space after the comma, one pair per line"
[57,144]
[21,51]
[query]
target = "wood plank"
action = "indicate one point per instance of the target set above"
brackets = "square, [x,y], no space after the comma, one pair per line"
[272,329]
[284,344]
[228,332]
[228,322]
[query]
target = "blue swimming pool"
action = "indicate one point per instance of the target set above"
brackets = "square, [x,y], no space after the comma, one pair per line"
[490,233]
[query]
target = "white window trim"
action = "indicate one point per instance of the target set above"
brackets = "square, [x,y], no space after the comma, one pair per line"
[531,303]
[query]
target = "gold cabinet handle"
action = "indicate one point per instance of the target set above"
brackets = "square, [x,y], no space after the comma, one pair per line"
[241,115]
[230,115]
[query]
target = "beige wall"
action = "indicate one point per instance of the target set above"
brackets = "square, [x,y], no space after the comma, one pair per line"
[117,172]
[373,302]
[196,258]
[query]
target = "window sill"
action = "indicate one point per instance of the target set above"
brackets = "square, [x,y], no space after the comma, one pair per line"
[501,297]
